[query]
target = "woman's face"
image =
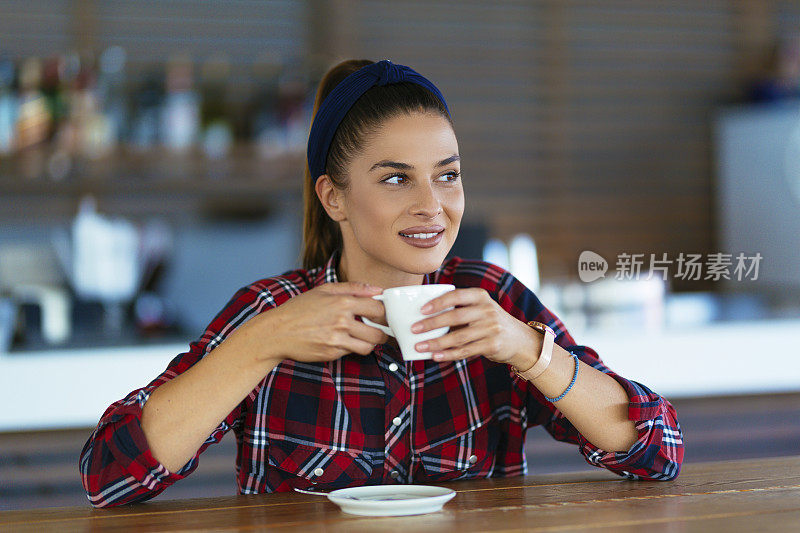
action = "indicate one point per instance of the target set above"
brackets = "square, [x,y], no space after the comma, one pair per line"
[406,180]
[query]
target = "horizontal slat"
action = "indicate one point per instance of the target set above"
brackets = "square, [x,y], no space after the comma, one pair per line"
[182,12]
[631,204]
[373,13]
[682,12]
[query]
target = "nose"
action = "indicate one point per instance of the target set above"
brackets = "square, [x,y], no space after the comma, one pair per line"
[426,202]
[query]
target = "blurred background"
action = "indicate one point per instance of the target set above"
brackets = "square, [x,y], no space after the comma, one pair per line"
[149,147]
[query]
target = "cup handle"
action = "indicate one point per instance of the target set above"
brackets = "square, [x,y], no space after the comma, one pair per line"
[385,329]
[381,327]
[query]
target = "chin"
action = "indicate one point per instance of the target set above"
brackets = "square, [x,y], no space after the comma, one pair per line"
[431,261]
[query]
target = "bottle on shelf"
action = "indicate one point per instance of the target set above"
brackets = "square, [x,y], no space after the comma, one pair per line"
[93,130]
[180,118]
[64,141]
[33,119]
[145,118]
[295,101]
[53,92]
[58,83]
[264,128]
[215,115]
[111,93]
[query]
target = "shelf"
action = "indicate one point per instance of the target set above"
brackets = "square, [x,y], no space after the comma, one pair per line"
[154,172]
[155,182]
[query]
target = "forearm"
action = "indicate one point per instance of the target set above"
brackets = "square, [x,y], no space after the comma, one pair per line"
[182,413]
[597,405]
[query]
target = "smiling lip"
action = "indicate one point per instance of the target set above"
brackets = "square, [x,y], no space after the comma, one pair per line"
[424,243]
[423,229]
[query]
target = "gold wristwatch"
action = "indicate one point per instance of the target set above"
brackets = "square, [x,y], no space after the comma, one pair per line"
[544,358]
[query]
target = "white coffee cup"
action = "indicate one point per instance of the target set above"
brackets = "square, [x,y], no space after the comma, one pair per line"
[403,309]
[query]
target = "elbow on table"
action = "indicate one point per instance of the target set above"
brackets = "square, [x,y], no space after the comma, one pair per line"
[653,462]
[662,456]
[117,492]
[670,473]
[666,471]
[95,485]
[96,500]
[105,483]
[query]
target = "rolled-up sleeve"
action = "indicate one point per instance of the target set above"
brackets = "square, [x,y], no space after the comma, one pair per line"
[116,465]
[658,451]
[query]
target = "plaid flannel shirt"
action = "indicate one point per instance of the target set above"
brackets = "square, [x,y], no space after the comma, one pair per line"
[377,419]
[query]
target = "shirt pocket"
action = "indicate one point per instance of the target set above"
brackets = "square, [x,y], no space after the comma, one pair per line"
[470,454]
[301,466]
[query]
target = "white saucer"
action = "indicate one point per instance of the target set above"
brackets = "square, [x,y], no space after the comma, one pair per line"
[391,500]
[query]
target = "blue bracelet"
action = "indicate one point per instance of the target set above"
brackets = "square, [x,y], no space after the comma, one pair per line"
[571,383]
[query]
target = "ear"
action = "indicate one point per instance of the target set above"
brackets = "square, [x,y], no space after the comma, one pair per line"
[331,198]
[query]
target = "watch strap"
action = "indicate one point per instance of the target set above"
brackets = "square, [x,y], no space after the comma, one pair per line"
[544,357]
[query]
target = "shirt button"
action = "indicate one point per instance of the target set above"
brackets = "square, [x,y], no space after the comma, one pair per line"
[318,472]
[395,474]
[473,459]
[397,421]
[393,367]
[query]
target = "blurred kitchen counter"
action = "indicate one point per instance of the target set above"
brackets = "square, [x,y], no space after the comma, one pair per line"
[713,359]
[72,387]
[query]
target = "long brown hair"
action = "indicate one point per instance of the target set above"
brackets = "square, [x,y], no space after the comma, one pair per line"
[321,234]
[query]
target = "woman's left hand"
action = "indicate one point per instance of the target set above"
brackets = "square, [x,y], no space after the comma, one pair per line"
[478,326]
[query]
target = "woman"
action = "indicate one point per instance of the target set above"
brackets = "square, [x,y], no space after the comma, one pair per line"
[318,398]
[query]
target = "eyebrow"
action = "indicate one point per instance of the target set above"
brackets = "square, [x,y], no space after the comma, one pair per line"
[405,166]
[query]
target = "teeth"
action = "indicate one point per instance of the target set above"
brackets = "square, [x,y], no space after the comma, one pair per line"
[420,235]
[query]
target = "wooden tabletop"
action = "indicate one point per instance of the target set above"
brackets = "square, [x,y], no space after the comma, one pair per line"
[730,496]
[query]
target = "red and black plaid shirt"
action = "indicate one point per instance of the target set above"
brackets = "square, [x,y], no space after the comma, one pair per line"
[375,420]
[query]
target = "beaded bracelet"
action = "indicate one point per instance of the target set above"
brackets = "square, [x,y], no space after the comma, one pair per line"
[571,383]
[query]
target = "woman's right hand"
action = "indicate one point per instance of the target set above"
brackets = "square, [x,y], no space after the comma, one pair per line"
[321,324]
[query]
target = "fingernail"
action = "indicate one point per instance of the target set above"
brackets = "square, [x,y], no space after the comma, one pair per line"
[426,308]
[422,346]
[416,328]
[438,356]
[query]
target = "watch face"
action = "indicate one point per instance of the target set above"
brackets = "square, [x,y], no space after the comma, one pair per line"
[538,326]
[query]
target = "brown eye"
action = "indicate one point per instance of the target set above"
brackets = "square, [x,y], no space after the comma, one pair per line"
[393,177]
[453,176]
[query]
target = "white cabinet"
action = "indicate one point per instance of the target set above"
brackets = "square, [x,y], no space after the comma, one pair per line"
[72,388]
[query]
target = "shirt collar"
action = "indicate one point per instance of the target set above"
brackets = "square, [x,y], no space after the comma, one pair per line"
[327,274]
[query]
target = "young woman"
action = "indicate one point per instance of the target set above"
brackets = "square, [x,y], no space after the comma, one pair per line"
[317,398]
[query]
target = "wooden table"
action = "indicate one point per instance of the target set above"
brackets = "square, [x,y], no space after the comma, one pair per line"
[751,495]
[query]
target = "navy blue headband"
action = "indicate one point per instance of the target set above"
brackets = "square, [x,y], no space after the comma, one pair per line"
[344,95]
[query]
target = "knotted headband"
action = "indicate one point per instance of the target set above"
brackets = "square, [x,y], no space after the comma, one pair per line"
[339,101]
